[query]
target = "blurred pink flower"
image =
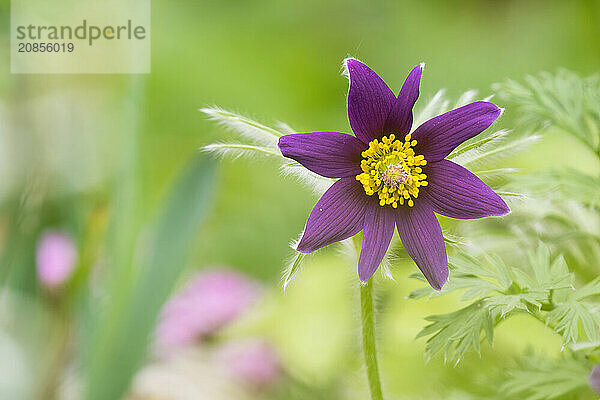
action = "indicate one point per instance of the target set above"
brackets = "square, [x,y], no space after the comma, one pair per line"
[252,361]
[56,255]
[594,379]
[210,301]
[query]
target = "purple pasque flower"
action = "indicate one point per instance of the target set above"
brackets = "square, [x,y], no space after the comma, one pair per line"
[389,177]
[56,255]
[211,300]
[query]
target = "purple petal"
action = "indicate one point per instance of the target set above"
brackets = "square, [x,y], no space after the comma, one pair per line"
[370,101]
[379,229]
[400,118]
[338,215]
[437,137]
[330,154]
[422,238]
[455,192]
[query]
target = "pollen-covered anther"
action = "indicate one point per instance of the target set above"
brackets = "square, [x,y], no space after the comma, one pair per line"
[392,170]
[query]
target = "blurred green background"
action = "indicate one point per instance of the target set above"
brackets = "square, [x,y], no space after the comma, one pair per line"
[276,61]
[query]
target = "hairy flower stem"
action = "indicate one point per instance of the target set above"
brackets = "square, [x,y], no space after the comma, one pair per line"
[368,339]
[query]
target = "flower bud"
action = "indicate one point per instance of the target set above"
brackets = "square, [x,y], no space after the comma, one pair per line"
[56,256]
[594,379]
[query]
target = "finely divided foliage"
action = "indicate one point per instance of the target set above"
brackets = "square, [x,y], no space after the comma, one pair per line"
[541,287]
[563,101]
[556,283]
[540,378]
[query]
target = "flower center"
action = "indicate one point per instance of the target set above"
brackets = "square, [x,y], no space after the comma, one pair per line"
[394,175]
[392,170]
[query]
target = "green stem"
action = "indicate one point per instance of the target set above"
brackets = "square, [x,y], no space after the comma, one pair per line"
[51,380]
[368,339]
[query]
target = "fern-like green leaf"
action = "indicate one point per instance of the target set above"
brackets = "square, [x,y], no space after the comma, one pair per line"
[562,100]
[458,332]
[541,378]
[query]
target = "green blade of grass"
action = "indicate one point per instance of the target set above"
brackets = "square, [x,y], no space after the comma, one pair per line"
[121,347]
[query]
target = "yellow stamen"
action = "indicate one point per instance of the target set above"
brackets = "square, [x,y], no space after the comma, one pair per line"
[392,170]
